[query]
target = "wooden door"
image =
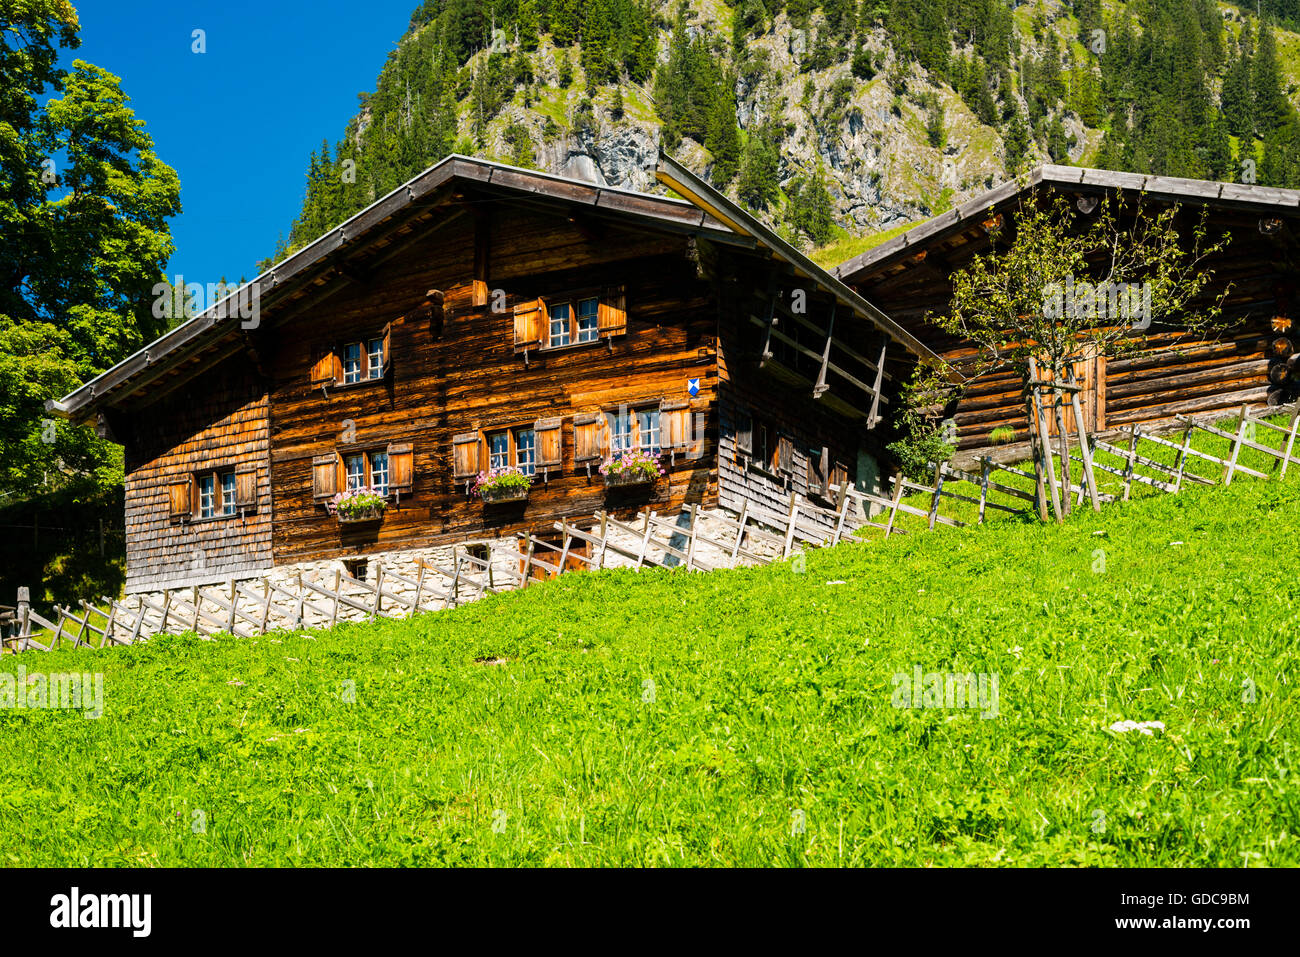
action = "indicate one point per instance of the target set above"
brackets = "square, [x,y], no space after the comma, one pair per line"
[1090,376]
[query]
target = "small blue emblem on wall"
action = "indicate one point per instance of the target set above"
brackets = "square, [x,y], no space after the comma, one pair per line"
[693,386]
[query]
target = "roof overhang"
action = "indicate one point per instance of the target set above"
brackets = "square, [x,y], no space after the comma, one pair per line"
[710,201]
[1170,189]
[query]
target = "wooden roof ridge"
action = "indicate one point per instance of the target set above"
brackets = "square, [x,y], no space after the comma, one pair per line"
[1167,188]
[215,322]
[673,174]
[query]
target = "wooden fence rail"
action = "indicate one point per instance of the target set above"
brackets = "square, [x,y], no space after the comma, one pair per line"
[692,539]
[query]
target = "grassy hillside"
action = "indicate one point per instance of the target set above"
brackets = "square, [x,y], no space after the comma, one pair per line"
[729,718]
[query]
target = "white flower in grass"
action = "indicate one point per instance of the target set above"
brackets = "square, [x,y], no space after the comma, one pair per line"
[1145,727]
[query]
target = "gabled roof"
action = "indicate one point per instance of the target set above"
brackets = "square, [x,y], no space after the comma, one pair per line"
[361,242]
[1274,201]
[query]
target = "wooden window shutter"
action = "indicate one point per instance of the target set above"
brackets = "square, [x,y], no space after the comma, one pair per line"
[677,426]
[744,433]
[819,473]
[840,476]
[388,347]
[531,320]
[246,486]
[785,454]
[480,293]
[401,467]
[324,476]
[465,455]
[588,437]
[611,316]
[178,499]
[548,435]
[327,366]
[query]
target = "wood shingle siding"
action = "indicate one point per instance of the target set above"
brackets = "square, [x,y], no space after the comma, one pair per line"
[217,421]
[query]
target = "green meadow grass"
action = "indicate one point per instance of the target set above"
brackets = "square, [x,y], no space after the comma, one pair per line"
[732,718]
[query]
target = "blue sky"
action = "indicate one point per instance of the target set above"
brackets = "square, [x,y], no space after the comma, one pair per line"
[239,122]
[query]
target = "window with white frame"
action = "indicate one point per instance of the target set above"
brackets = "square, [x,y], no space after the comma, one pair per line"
[526,451]
[647,422]
[207,496]
[375,359]
[588,324]
[354,469]
[379,472]
[498,449]
[227,493]
[351,363]
[620,431]
[216,494]
[559,332]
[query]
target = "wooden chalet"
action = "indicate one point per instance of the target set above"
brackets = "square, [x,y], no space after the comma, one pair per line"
[1251,361]
[480,316]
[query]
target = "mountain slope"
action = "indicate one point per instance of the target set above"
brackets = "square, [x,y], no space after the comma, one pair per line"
[828,120]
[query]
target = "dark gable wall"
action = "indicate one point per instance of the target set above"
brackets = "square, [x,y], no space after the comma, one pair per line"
[1194,375]
[467,376]
[217,420]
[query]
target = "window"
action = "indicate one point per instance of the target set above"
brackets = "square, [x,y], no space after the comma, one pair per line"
[517,448]
[387,470]
[560,325]
[588,323]
[207,496]
[526,451]
[379,472]
[572,318]
[647,421]
[216,494]
[498,450]
[568,327]
[375,359]
[228,493]
[351,363]
[620,431]
[354,469]
[212,494]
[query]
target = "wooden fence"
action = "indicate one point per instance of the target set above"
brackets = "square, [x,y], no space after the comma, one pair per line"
[694,539]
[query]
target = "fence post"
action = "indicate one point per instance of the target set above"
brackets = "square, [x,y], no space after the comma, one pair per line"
[1236,445]
[893,509]
[1132,461]
[792,520]
[1290,442]
[23,616]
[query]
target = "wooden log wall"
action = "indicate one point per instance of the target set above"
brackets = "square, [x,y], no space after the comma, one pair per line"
[465,374]
[216,421]
[1171,375]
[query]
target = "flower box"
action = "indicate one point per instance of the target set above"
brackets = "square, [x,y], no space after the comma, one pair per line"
[629,469]
[505,493]
[359,505]
[502,485]
[622,479]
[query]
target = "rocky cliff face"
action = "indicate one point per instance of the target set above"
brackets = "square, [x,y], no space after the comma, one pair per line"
[874,153]
[874,140]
